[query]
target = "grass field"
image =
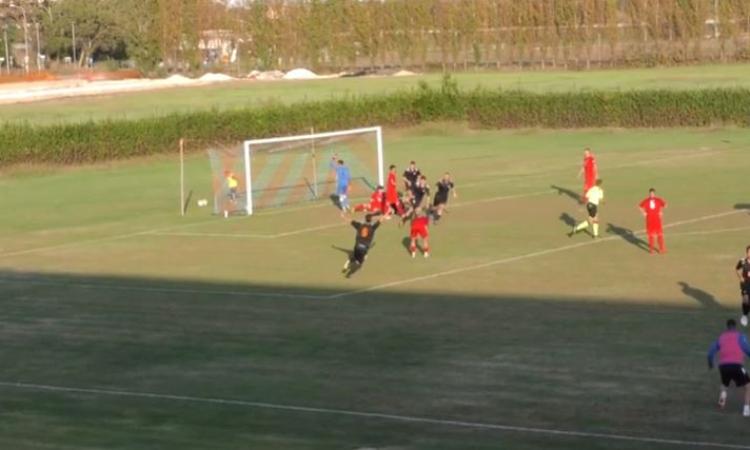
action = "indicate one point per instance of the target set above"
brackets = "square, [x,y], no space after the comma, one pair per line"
[253,94]
[127,326]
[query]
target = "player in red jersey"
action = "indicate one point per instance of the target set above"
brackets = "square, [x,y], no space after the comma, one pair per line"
[392,202]
[589,171]
[420,230]
[652,207]
[376,205]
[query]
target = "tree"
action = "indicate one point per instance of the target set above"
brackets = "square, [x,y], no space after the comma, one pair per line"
[96,28]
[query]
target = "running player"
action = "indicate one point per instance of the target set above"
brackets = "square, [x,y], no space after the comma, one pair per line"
[343,178]
[444,187]
[362,244]
[652,207]
[420,230]
[743,273]
[376,205]
[411,175]
[594,196]
[732,346]
[393,204]
[589,171]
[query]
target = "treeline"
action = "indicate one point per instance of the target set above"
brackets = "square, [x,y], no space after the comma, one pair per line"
[106,140]
[344,34]
[461,34]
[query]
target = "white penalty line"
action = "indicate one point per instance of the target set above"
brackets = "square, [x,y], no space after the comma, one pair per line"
[521,257]
[373,415]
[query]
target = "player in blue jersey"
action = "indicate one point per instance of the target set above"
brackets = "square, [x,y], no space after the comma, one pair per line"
[343,178]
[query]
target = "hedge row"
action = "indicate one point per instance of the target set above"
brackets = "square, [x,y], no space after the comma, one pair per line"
[105,140]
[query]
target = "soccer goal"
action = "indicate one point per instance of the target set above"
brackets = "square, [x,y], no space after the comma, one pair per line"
[273,172]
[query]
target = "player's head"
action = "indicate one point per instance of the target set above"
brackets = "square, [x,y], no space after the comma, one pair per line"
[747,251]
[447,176]
[599,182]
[586,152]
[731,324]
[368,218]
[379,188]
[651,192]
[392,167]
[412,165]
[341,162]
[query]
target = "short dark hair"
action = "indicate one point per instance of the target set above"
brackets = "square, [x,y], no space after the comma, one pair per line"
[412,162]
[731,324]
[651,190]
[368,218]
[341,161]
[599,181]
[392,166]
[747,248]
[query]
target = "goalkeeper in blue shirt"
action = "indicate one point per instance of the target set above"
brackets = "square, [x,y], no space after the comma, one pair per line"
[343,178]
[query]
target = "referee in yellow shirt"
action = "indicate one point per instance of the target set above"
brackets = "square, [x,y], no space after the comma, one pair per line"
[594,196]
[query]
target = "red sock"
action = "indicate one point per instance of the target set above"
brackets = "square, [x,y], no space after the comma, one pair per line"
[651,243]
[662,249]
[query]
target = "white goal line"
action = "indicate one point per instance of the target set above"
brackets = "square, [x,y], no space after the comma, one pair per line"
[373,415]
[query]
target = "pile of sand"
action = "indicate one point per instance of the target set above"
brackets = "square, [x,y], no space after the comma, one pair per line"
[404,73]
[266,76]
[213,77]
[300,74]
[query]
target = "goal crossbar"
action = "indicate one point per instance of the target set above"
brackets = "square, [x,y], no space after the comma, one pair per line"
[249,144]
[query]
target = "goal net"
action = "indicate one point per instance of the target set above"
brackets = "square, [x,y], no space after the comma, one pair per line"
[274,172]
[297,169]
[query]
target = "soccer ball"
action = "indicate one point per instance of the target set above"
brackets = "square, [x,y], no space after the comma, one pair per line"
[202,202]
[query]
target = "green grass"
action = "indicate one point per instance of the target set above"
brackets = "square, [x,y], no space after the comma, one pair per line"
[252,94]
[598,338]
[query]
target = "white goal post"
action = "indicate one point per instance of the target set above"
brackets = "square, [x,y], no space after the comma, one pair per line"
[250,146]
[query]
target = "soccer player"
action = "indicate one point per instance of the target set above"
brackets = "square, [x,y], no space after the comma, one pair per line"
[732,346]
[391,193]
[652,207]
[343,178]
[444,187]
[589,171]
[362,244]
[411,175]
[743,273]
[420,230]
[594,196]
[376,205]
[232,184]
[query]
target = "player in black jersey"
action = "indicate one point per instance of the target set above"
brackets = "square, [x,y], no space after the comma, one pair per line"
[743,273]
[411,176]
[419,198]
[444,188]
[362,244]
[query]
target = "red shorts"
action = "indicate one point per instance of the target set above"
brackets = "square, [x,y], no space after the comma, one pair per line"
[653,226]
[419,233]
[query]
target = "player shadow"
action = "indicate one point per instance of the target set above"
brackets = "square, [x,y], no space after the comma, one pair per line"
[745,206]
[704,298]
[627,235]
[567,192]
[406,243]
[335,200]
[568,220]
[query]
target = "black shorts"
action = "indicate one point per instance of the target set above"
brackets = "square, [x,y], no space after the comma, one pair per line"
[440,200]
[733,372]
[360,251]
[745,290]
[592,209]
